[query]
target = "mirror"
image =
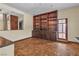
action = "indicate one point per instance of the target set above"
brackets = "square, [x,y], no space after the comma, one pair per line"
[11,21]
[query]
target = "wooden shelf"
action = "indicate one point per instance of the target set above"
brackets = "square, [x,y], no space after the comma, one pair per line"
[52,19]
[46,22]
[43,20]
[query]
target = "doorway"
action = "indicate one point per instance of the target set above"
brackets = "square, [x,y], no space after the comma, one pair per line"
[62,29]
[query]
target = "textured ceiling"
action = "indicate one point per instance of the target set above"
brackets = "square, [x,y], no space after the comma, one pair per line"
[37,8]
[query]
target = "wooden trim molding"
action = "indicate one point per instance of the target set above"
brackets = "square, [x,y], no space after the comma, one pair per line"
[46,13]
[22,39]
[73,42]
[67,42]
[50,40]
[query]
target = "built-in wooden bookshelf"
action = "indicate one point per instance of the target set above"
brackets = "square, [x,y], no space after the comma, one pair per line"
[36,22]
[45,25]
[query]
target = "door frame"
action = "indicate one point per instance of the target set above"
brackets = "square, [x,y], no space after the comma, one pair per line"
[66,29]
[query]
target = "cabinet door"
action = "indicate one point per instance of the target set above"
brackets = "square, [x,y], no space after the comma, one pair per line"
[14,22]
[53,36]
[36,33]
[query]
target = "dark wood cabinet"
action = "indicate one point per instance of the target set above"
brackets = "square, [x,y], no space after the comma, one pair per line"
[45,25]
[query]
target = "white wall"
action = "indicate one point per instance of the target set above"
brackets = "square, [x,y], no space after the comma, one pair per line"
[15,35]
[73,21]
[18,34]
[7,51]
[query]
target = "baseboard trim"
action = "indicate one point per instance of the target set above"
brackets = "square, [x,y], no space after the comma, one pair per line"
[67,42]
[22,39]
[73,42]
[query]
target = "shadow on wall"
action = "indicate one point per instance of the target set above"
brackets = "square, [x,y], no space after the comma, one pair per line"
[77,38]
